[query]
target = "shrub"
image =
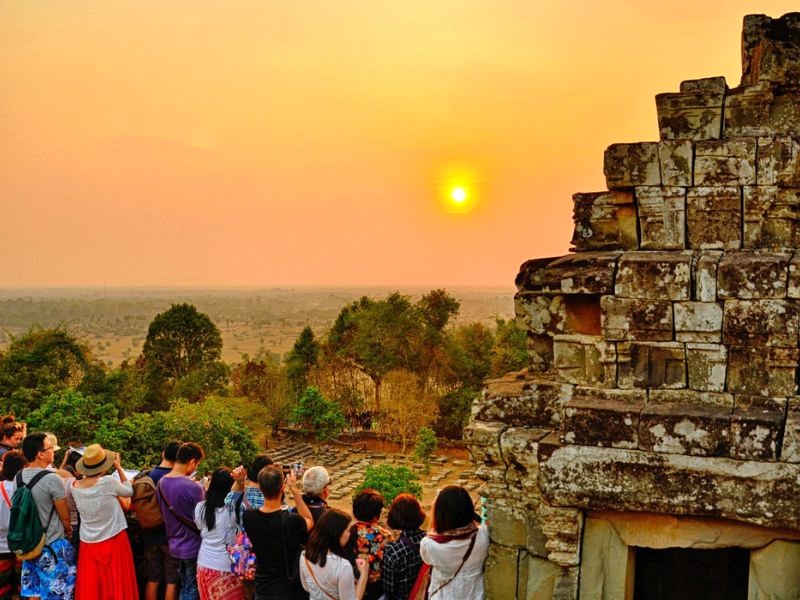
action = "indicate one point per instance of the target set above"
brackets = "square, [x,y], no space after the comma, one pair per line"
[390,481]
[318,416]
[425,445]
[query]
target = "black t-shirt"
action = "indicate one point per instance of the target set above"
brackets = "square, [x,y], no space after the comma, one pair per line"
[264,531]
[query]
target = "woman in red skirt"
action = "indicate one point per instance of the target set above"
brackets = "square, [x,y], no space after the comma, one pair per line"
[105,562]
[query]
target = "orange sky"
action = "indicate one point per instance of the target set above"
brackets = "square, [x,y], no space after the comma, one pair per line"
[268,142]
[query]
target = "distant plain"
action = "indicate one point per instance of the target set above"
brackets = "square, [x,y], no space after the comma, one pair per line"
[113,321]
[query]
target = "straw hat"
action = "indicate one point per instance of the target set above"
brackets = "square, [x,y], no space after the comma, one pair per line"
[95,460]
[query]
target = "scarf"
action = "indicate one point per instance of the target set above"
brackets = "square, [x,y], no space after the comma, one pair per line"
[461,533]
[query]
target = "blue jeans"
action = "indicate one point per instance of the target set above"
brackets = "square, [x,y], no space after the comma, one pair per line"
[187,569]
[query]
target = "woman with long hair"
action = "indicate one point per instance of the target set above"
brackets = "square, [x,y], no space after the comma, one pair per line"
[455,547]
[105,561]
[13,461]
[217,529]
[325,572]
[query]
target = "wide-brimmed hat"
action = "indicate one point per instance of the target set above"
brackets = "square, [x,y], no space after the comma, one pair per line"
[95,460]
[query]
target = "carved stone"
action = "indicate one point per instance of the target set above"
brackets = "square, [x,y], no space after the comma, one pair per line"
[585,273]
[585,360]
[694,113]
[713,217]
[654,275]
[657,365]
[760,371]
[705,275]
[604,221]
[771,217]
[699,430]
[769,49]
[760,322]
[778,161]
[634,319]
[725,162]
[790,451]
[662,217]
[629,165]
[520,400]
[706,367]
[748,274]
[756,429]
[676,162]
[541,313]
[612,419]
[698,322]
[762,110]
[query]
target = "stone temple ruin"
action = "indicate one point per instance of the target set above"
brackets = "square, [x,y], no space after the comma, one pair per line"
[653,450]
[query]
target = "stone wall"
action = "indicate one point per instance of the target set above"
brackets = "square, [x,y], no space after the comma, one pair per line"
[665,348]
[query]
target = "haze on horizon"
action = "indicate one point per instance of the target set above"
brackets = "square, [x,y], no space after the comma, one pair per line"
[322,143]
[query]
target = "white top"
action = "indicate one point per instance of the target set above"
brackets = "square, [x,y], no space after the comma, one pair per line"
[5,513]
[213,545]
[444,560]
[101,515]
[336,578]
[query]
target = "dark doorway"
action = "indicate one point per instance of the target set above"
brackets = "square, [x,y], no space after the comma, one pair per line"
[685,574]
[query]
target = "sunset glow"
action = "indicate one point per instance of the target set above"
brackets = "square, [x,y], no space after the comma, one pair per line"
[324,142]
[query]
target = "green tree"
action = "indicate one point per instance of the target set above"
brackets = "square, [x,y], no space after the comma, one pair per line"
[303,356]
[39,363]
[510,351]
[266,383]
[390,481]
[425,445]
[318,415]
[179,341]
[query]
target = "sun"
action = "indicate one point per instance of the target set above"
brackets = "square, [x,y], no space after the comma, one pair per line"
[458,195]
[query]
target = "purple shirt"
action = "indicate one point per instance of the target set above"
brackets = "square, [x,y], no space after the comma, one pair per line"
[182,494]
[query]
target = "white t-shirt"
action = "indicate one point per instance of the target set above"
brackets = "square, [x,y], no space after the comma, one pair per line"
[5,513]
[214,544]
[445,559]
[336,578]
[101,515]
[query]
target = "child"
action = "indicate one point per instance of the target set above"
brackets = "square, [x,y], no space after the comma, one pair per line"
[368,539]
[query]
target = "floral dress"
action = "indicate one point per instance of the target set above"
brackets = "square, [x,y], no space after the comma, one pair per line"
[368,541]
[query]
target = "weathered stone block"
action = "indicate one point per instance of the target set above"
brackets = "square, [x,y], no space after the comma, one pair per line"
[585,360]
[654,275]
[522,401]
[604,221]
[634,319]
[756,429]
[769,49]
[714,218]
[543,579]
[604,562]
[760,371]
[594,419]
[540,313]
[793,287]
[698,322]
[676,162]
[508,526]
[771,217]
[705,275]
[584,273]
[500,580]
[725,162]
[760,322]
[748,274]
[658,365]
[762,110]
[774,571]
[662,217]
[699,430]
[629,165]
[694,114]
[519,446]
[691,398]
[706,367]
[762,493]
[483,441]
[778,161]
[562,527]
[790,451]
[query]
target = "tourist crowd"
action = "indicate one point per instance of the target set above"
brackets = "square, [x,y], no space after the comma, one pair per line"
[242,533]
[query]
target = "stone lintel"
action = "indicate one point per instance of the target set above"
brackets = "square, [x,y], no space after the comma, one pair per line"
[761,493]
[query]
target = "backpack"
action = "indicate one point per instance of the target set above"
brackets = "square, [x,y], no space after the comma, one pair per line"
[144,503]
[26,536]
[243,559]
